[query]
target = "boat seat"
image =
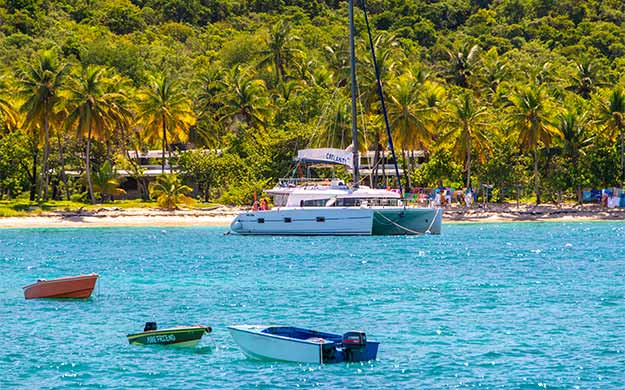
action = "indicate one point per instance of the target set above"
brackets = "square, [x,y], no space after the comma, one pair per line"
[318,340]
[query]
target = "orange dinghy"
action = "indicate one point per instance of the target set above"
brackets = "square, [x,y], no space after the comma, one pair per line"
[69,287]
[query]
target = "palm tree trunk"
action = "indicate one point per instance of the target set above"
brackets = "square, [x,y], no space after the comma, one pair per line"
[383,162]
[62,161]
[46,151]
[622,156]
[406,171]
[468,167]
[109,156]
[164,143]
[33,185]
[88,164]
[376,162]
[536,181]
[141,187]
[578,187]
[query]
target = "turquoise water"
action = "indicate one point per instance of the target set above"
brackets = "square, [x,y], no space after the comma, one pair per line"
[514,306]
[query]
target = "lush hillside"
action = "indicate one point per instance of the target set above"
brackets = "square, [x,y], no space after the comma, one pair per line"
[509,92]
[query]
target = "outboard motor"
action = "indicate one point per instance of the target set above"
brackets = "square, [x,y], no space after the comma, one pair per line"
[354,340]
[149,326]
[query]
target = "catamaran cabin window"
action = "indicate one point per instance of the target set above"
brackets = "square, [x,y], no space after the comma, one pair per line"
[314,202]
[351,202]
[383,202]
[347,202]
[279,200]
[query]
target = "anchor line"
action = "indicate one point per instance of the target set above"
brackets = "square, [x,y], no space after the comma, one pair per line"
[428,231]
[433,220]
[398,225]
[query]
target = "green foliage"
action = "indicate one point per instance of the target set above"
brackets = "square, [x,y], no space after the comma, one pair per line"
[202,169]
[169,192]
[14,163]
[106,181]
[441,166]
[165,112]
[123,18]
[260,79]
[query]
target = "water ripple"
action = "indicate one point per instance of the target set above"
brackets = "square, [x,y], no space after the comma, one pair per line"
[513,306]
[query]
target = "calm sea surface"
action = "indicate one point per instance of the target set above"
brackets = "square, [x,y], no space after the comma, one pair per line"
[514,306]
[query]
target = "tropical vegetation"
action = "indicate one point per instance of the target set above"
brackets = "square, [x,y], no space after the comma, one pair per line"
[525,95]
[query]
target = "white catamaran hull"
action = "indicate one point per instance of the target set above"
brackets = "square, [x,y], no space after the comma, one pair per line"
[367,221]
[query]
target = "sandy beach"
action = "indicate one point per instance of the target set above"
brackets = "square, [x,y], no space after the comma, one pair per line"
[222,216]
[115,217]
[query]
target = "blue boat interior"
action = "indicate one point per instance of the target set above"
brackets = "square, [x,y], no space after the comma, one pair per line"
[301,333]
[339,349]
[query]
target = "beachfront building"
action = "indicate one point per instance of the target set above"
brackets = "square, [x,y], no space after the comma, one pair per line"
[143,167]
[379,174]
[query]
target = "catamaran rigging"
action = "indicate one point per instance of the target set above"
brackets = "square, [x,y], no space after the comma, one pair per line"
[332,207]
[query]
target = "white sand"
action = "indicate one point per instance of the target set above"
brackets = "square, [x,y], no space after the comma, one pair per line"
[123,217]
[222,216]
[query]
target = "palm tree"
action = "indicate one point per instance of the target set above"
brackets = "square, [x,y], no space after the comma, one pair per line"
[387,56]
[412,110]
[337,59]
[61,131]
[585,80]
[106,181]
[7,112]
[494,71]
[91,110]
[165,111]
[336,125]
[612,116]
[528,115]
[575,141]
[210,86]
[468,130]
[245,100]
[462,63]
[280,51]
[39,84]
[170,192]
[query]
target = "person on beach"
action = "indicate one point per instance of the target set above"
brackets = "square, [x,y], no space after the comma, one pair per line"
[255,206]
[263,205]
[468,197]
[437,198]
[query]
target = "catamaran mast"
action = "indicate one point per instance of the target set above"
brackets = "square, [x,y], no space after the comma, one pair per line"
[352,57]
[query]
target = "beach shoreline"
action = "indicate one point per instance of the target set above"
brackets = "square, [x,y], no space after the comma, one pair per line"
[222,216]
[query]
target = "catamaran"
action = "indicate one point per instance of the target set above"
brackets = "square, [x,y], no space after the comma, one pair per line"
[332,207]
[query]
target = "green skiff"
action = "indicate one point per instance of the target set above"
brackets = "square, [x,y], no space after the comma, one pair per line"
[180,336]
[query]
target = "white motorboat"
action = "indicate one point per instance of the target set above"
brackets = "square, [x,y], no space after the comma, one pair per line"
[291,344]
